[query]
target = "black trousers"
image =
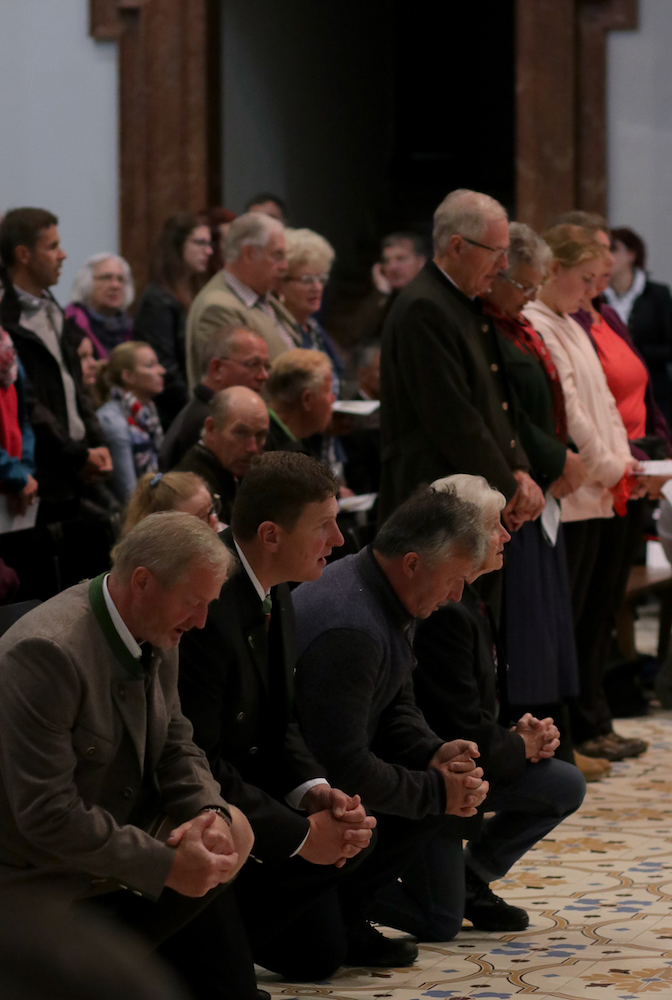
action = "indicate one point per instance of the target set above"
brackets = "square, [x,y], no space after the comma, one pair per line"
[600,553]
[192,944]
[296,915]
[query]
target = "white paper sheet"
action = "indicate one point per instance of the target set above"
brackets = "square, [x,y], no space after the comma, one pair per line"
[362,502]
[550,518]
[660,468]
[11,522]
[356,407]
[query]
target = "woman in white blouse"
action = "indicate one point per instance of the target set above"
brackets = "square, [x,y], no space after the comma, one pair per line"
[596,427]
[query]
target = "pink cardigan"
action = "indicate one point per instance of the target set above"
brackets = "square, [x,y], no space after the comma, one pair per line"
[593,420]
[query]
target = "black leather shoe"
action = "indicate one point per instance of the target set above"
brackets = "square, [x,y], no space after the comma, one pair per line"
[367,946]
[488,912]
[263,995]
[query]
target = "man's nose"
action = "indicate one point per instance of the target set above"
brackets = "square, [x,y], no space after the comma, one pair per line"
[456,589]
[199,617]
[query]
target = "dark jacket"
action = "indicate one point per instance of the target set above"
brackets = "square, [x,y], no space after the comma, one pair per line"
[444,393]
[535,421]
[354,691]
[185,429]
[161,321]
[462,689]
[656,424]
[58,458]
[236,686]
[278,439]
[650,325]
[219,480]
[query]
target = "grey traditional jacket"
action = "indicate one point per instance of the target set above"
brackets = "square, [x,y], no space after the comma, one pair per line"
[90,753]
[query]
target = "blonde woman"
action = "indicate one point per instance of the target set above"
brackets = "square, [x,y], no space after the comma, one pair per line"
[596,427]
[183,491]
[129,419]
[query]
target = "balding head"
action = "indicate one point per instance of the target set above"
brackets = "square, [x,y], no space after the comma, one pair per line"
[237,427]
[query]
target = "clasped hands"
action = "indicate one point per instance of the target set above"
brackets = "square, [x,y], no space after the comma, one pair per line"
[339,826]
[540,736]
[208,852]
[526,504]
[463,780]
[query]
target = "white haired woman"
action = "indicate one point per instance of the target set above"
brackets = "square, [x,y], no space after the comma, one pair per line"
[537,610]
[460,686]
[309,261]
[101,295]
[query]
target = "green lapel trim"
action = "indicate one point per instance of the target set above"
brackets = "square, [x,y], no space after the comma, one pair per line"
[282,426]
[114,640]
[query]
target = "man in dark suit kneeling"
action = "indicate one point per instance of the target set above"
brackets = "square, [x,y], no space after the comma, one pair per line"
[236,685]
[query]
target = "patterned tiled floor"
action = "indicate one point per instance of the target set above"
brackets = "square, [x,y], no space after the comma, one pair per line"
[599,894]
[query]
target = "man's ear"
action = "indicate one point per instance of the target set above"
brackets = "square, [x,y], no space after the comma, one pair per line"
[22,255]
[209,425]
[307,397]
[410,564]
[141,579]
[268,534]
[454,246]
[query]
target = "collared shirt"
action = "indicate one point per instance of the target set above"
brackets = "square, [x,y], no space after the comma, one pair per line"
[446,275]
[124,633]
[294,797]
[42,315]
[253,300]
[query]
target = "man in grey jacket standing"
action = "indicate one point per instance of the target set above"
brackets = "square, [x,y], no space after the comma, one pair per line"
[95,751]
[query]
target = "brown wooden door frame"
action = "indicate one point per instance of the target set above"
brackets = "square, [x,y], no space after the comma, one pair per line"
[169,113]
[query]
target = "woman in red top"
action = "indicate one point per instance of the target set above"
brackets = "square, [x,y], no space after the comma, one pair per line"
[629,382]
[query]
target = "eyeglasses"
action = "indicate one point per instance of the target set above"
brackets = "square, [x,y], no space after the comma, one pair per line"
[253,364]
[528,290]
[311,279]
[499,251]
[214,510]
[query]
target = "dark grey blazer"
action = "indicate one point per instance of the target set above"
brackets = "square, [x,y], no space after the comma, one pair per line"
[445,401]
[76,735]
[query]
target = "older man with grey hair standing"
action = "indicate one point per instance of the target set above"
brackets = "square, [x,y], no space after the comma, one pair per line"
[446,404]
[240,294]
[95,751]
[354,689]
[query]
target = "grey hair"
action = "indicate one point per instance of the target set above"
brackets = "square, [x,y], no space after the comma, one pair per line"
[307,247]
[295,371]
[526,248]
[252,229]
[476,490]
[168,544]
[465,213]
[436,524]
[220,343]
[82,286]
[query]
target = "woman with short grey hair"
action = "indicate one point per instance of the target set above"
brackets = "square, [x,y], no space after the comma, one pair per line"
[102,292]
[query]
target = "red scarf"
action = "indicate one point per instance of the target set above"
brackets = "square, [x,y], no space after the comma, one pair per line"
[527,340]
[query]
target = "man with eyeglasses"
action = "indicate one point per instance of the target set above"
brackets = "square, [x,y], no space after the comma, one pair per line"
[446,404]
[240,294]
[232,355]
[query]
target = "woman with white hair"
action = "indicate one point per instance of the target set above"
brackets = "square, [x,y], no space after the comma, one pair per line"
[460,686]
[101,295]
[309,261]
[537,610]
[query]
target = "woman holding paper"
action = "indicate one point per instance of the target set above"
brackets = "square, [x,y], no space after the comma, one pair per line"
[596,426]
[537,611]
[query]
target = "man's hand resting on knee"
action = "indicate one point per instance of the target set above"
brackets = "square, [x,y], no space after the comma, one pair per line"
[339,826]
[208,852]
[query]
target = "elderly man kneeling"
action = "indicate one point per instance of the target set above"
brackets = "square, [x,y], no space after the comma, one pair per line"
[94,749]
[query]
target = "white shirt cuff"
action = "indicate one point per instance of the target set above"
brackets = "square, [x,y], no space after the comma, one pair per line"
[294,797]
[294,853]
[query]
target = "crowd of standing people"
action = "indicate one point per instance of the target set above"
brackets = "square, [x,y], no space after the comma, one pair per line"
[340,599]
